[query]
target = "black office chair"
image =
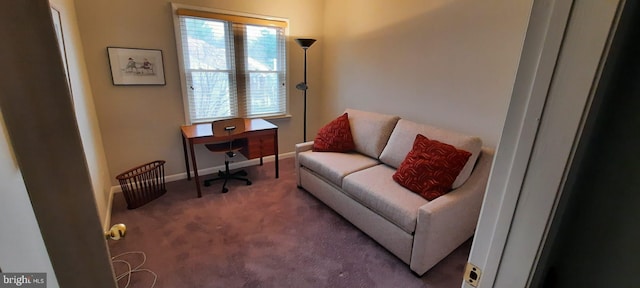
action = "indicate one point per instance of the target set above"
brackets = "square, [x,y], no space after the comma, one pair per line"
[230,148]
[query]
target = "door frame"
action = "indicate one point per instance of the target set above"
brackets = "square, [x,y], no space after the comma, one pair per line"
[560,65]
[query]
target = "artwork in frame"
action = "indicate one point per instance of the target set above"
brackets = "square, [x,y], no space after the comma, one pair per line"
[136,66]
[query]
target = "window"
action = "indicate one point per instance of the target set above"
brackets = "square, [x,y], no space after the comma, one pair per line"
[233,66]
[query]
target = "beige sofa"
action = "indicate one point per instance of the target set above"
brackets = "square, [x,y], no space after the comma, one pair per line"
[359,186]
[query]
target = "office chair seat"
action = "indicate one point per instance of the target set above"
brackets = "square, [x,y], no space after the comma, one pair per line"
[230,149]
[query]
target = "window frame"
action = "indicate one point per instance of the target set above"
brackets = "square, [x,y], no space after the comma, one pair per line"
[181,64]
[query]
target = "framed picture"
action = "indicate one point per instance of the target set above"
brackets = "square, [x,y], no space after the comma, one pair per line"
[135,66]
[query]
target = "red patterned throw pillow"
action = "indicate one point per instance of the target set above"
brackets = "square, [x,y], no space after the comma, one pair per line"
[430,167]
[335,136]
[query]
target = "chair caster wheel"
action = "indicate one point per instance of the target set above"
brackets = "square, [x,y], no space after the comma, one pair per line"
[220,173]
[225,190]
[248,182]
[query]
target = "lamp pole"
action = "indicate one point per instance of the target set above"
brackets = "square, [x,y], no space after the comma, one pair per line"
[305,43]
[305,94]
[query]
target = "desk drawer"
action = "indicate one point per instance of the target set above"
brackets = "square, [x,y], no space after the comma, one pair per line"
[259,146]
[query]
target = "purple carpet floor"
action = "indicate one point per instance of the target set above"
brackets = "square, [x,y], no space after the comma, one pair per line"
[269,234]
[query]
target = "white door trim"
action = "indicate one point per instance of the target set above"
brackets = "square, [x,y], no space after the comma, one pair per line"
[531,160]
[539,55]
[573,86]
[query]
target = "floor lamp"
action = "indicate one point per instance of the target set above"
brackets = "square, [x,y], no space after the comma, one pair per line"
[305,44]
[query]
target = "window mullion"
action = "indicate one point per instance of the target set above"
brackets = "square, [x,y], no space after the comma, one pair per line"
[241,75]
[282,70]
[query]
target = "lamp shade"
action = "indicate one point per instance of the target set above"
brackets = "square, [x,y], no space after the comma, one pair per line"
[305,42]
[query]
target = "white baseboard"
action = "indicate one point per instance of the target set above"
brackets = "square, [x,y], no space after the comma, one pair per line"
[205,171]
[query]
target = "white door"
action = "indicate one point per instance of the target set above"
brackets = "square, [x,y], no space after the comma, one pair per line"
[43,132]
[23,249]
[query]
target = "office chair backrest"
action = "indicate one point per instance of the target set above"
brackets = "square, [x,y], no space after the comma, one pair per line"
[228,126]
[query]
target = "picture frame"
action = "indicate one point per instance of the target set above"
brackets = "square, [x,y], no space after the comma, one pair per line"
[136,66]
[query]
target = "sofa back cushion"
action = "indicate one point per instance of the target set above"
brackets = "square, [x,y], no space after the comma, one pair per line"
[371,131]
[404,134]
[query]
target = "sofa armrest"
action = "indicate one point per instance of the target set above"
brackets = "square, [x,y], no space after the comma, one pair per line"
[301,147]
[305,146]
[448,221]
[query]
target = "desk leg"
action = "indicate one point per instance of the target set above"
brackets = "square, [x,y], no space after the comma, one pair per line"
[275,148]
[195,168]
[186,157]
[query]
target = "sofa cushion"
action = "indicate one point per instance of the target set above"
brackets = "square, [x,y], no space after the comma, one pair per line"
[375,189]
[401,142]
[335,136]
[370,131]
[430,167]
[335,166]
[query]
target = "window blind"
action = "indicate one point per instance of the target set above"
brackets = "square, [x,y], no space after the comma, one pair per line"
[234,66]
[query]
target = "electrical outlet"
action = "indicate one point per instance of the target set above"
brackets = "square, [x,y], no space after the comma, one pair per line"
[472,274]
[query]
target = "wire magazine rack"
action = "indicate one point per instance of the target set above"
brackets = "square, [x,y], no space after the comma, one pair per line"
[142,184]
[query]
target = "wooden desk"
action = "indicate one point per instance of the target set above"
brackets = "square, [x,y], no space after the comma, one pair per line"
[262,140]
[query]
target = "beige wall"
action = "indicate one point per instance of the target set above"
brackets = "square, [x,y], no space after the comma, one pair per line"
[141,124]
[84,107]
[451,63]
